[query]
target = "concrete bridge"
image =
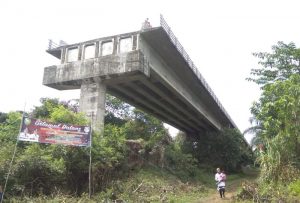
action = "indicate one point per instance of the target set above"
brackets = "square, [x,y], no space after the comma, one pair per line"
[148,69]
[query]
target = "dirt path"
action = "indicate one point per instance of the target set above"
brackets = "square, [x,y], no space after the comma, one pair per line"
[231,190]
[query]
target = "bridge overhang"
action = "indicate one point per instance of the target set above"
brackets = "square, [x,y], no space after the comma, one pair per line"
[153,76]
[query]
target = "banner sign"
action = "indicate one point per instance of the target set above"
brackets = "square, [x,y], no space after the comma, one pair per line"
[35,130]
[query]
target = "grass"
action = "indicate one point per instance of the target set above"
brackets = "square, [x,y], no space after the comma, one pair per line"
[148,185]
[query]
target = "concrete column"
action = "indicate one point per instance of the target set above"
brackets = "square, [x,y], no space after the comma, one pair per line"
[92,103]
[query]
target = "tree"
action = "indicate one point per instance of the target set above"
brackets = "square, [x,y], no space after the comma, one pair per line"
[45,109]
[8,133]
[3,117]
[278,112]
[47,169]
[226,149]
[279,65]
[145,126]
[40,168]
[116,111]
[276,66]
[278,107]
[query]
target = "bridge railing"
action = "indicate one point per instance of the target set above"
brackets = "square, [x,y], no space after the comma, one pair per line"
[52,44]
[191,64]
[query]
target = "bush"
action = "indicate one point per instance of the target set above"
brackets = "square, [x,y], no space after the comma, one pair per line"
[226,149]
[294,188]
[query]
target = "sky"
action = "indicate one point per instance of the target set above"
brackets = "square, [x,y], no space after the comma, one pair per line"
[220,37]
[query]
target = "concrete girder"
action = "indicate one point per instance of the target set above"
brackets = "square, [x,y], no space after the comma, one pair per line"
[139,80]
[142,99]
[168,109]
[129,100]
[184,111]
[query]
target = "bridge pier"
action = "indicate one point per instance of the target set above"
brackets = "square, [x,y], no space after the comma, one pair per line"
[92,103]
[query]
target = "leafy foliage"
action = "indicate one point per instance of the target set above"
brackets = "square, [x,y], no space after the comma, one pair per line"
[116,111]
[3,117]
[10,127]
[44,169]
[277,114]
[277,66]
[130,136]
[46,108]
[144,126]
[227,149]
[279,111]
[36,171]
[279,107]
[181,164]
[294,188]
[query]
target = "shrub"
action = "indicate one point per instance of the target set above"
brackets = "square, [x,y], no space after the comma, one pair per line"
[294,188]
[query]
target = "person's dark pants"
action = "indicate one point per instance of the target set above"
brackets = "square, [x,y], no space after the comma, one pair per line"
[222,192]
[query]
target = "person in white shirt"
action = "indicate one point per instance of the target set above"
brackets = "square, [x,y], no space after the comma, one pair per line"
[220,178]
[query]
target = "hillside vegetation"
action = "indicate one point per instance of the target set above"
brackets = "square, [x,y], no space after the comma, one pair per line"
[152,184]
[276,125]
[135,159]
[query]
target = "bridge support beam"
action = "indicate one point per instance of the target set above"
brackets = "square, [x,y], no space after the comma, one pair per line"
[92,103]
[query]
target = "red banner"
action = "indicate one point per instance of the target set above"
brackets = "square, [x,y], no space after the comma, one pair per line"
[35,130]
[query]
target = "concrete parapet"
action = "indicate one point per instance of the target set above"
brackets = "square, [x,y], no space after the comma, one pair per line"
[70,75]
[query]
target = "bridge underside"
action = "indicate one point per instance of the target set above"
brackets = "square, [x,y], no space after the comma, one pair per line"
[152,95]
[156,97]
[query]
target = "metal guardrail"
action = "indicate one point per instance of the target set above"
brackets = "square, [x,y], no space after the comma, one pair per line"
[52,45]
[188,60]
